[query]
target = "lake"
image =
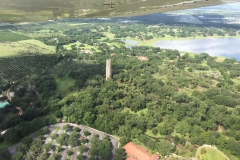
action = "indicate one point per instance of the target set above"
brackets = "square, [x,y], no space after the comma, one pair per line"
[225,47]
[130,43]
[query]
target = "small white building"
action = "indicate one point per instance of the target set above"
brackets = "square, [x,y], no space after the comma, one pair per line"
[3,132]
[11,94]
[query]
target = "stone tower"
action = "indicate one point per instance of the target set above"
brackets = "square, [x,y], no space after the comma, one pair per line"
[108,69]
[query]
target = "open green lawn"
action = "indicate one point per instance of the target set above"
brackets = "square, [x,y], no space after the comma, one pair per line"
[128,109]
[168,37]
[25,46]
[211,154]
[204,63]
[8,36]
[158,76]
[40,44]
[220,59]
[190,54]
[68,46]
[109,35]
[5,144]
[64,84]
[236,81]
[44,31]
[144,111]
[149,133]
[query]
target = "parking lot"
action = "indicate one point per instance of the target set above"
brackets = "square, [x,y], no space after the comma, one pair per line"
[57,129]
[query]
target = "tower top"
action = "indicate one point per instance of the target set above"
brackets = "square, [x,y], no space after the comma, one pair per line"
[108,69]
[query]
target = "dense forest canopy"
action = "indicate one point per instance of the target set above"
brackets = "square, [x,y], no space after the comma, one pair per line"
[171,97]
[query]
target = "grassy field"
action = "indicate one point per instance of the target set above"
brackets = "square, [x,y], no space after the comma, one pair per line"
[220,59]
[25,46]
[44,31]
[64,84]
[128,109]
[8,36]
[109,35]
[144,111]
[68,46]
[149,133]
[236,81]
[5,144]
[169,38]
[211,154]
[190,54]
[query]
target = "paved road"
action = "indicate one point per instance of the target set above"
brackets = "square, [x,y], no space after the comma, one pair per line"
[12,149]
[9,98]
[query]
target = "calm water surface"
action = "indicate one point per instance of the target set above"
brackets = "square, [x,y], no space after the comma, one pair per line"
[130,43]
[3,104]
[225,47]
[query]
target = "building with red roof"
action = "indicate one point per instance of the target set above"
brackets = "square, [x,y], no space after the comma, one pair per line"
[136,152]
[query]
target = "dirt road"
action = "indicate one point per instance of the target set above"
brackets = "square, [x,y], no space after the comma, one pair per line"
[9,98]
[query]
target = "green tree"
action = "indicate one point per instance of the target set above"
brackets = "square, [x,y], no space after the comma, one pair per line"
[154,131]
[124,140]
[81,148]
[69,152]
[76,129]
[183,127]
[27,140]
[120,154]
[80,157]
[58,149]
[66,127]
[47,147]
[58,114]
[12,135]
[86,132]
[17,156]
[164,147]
[203,151]
[43,131]
[5,154]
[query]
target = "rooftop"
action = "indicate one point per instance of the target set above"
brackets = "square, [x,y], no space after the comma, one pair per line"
[136,152]
[142,58]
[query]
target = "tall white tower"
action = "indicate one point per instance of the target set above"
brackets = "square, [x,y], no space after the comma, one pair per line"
[108,69]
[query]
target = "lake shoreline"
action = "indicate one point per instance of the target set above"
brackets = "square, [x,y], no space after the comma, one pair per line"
[215,46]
[152,41]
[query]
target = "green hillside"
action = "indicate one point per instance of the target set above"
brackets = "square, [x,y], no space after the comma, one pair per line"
[164,100]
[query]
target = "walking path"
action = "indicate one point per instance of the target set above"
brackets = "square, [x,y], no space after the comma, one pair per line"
[9,98]
[20,110]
